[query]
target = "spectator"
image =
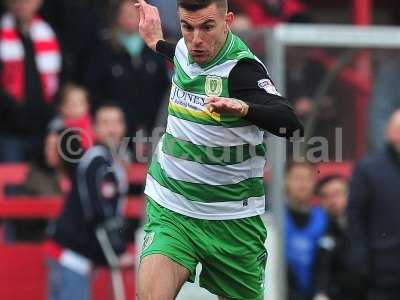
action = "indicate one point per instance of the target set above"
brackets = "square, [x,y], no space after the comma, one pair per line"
[78,25]
[123,69]
[94,203]
[373,215]
[332,275]
[74,113]
[30,63]
[385,99]
[304,226]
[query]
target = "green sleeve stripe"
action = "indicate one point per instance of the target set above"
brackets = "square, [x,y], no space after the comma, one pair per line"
[210,155]
[253,187]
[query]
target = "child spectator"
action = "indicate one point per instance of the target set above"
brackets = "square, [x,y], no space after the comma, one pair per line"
[74,113]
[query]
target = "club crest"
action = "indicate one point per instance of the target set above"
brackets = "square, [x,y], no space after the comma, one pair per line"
[213,86]
[148,239]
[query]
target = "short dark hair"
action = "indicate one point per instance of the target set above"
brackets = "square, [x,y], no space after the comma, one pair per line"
[193,5]
[291,164]
[328,179]
[108,104]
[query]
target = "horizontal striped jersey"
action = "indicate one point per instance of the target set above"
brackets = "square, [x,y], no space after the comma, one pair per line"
[207,166]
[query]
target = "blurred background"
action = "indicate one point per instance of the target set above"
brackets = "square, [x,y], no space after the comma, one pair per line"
[334,231]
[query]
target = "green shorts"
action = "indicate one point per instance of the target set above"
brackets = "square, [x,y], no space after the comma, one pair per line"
[231,252]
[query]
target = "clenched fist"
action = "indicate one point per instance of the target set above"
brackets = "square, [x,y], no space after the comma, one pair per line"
[228,106]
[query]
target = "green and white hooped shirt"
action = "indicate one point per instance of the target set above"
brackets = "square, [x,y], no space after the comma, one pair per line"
[207,166]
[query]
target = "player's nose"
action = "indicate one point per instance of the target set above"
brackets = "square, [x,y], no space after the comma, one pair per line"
[197,38]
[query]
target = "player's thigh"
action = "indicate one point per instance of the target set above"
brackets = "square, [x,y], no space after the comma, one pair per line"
[160,278]
[235,266]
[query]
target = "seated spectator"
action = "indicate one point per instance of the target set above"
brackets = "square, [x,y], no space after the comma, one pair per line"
[43,179]
[332,275]
[30,63]
[123,69]
[304,226]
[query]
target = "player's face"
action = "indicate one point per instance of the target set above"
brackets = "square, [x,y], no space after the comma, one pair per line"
[205,31]
[334,197]
[24,10]
[110,126]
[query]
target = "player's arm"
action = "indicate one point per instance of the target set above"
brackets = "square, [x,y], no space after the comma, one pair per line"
[151,31]
[254,97]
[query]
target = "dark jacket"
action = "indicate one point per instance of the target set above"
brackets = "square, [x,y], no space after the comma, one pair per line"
[98,189]
[332,274]
[137,85]
[374,222]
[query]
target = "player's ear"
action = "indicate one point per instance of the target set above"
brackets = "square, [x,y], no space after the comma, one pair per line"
[229,19]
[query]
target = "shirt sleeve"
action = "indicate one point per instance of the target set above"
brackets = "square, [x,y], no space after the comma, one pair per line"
[166,49]
[250,82]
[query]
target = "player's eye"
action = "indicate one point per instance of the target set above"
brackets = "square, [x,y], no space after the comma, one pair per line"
[187,27]
[208,27]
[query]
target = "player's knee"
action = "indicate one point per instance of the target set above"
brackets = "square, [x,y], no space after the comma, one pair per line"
[156,285]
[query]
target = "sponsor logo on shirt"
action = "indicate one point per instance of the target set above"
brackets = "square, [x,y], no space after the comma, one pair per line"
[268,86]
[187,99]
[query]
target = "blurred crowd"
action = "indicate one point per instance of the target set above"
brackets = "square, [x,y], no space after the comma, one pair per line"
[46,47]
[342,238]
[61,61]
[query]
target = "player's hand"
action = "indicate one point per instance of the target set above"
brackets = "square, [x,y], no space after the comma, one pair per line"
[228,106]
[149,24]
